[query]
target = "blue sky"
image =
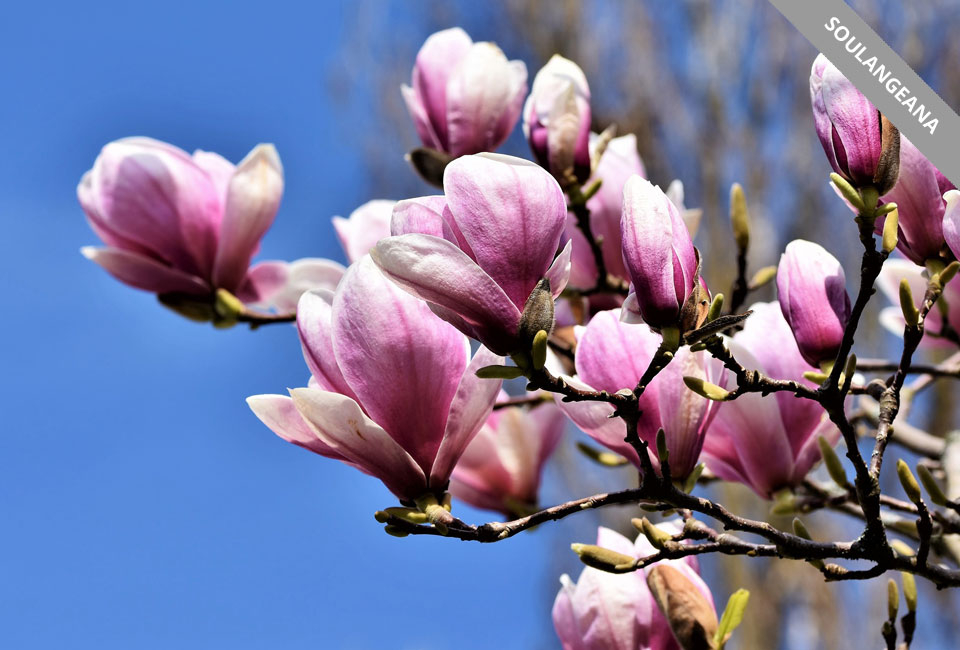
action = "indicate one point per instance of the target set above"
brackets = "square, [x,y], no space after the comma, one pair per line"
[143,505]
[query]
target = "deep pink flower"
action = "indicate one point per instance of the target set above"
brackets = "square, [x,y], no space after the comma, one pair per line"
[850,129]
[612,355]
[767,442]
[366,225]
[658,253]
[619,162]
[607,611]
[811,288]
[556,120]
[393,391]
[466,97]
[894,270]
[175,223]
[501,468]
[920,195]
[180,224]
[477,253]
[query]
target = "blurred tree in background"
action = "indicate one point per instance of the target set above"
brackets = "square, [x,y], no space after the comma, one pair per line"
[716,92]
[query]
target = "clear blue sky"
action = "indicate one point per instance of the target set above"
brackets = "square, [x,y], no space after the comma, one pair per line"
[142,504]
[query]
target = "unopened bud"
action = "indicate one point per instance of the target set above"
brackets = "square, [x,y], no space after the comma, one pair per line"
[663,454]
[706,389]
[605,458]
[395,531]
[784,503]
[539,351]
[656,536]
[911,315]
[429,164]
[947,274]
[671,339]
[932,487]
[815,377]
[537,312]
[801,531]
[227,305]
[689,614]
[890,232]
[739,217]
[188,306]
[762,277]
[604,559]
[499,372]
[893,599]
[901,548]
[732,616]
[832,463]
[847,191]
[691,481]
[909,591]
[909,482]
[716,306]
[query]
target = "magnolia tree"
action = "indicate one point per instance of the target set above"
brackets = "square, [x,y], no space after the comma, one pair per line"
[577,275]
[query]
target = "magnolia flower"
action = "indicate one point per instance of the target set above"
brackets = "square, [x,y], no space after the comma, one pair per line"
[893,272]
[767,442]
[811,288]
[608,611]
[922,195]
[618,163]
[501,468]
[393,389]
[466,97]
[612,355]
[366,225]
[861,145]
[180,224]
[556,120]
[658,254]
[480,254]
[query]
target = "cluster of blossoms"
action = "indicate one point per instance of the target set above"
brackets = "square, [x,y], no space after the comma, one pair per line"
[576,251]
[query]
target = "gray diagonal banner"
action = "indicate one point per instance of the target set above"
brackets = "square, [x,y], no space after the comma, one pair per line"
[882,76]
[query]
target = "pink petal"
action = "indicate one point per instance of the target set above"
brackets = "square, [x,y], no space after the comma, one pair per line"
[252,201]
[421,121]
[511,213]
[153,194]
[436,62]
[423,216]
[281,416]
[470,406]
[341,424]
[403,363]
[367,225]
[144,273]
[262,282]
[303,275]
[437,271]
[315,326]
[480,90]
[218,168]
[559,271]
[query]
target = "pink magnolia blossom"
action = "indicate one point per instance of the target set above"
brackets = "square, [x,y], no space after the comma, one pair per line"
[658,254]
[477,253]
[849,128]
[501,468]
[466,97]
[556,120]
[393,390]
[811,288]
[619,162]
[895,270]
[612,355]
[608,611]
[767,442]
[951,221]
[176,223]
[366,225]
[921,196]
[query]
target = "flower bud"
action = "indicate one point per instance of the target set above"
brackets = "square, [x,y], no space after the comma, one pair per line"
[813,298]
[739,217]
[556,120]
[861,145]
[909,482]
[933,488]
[658,253]
[691,617]
[466,97]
